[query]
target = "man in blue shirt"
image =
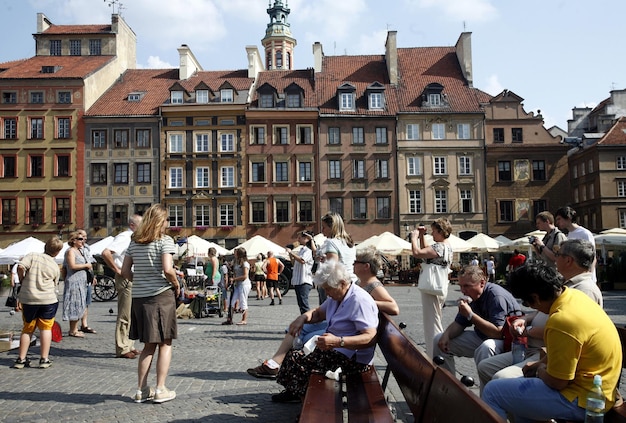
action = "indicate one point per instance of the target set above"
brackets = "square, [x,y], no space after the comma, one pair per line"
[486,306]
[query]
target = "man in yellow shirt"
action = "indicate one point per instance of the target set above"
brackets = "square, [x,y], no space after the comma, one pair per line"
[581,341]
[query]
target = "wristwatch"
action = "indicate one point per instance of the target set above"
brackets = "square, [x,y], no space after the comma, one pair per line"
[341,343]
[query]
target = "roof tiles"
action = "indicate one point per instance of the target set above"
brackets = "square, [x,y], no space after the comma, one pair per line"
[68,67]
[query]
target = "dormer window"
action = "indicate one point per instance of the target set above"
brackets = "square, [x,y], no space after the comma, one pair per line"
[346,97]
[202,96]
[55,47]
[176,97]
[376,101]
[136,96]
[226,95]
[293,96]
[266,100]
[433,96]
[293,100]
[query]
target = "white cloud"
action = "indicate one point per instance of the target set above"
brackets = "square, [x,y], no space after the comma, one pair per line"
[493,86]
[373,43]
[460,10]
[155,62]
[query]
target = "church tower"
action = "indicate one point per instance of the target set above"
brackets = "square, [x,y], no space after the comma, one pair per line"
[278,42]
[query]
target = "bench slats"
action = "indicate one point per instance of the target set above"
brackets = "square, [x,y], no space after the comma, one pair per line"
[322,402]
[412,369]
[366,399]
[450,401]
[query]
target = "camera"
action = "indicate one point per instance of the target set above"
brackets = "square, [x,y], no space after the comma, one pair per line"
[532,239]
[409,237]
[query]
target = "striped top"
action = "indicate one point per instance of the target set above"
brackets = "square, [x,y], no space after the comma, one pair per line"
[148,277]
[39,283]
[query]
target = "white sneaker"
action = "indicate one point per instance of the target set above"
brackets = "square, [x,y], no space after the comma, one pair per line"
[144,394]
[163,395]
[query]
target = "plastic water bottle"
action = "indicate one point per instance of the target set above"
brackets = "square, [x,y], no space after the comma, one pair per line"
[595,402]
[298,343]
[518,350]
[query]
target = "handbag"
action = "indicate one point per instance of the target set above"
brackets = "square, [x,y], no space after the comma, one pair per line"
[89,276]
[12,298]
[506,331]
[433,279]
[57,333]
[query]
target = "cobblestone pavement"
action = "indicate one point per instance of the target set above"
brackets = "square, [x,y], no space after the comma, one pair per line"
[86,383]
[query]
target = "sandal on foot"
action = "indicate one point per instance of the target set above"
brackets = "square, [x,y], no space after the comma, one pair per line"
[76,334]
[241,323]
[87,330]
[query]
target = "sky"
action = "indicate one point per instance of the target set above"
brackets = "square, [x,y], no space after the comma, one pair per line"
[556,54]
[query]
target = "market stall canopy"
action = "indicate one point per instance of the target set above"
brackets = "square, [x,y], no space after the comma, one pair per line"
[458,245]
[387,243]
[482,242]
[98,247]
[614,231]
[198,247]
[19,249]
[610,240]
[259,245]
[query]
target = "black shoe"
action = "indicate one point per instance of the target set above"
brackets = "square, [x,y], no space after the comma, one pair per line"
[286,397]
[280,302]
[272,303]
[263,371]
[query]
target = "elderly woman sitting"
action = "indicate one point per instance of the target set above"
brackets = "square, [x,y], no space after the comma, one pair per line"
[348,343]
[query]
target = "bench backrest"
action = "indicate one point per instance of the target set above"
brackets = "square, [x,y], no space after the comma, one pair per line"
[412,369]
[450,401]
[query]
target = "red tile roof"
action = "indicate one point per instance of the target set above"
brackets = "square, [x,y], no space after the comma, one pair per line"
[215,79]
[78,29]
[616,135]
[361,72]
[154,83]
[420,66]
[69,67]
[282,79]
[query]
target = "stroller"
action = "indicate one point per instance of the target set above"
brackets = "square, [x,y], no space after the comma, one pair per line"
[204,299]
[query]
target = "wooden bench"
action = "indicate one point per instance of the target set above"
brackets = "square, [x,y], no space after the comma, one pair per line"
[431,393]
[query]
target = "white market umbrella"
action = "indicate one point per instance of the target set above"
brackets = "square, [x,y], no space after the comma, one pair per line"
[502,240]
[259,245]
[59,258]
[537,233]
[458,245]
[19,249]
[611,240]
[482,242]
[198,247]
[98,247]
[387,243]
[614,231]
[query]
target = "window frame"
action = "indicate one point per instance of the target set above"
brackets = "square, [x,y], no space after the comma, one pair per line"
[539,170]
[227,177]
[438,131]
[382,168]
[465,166]
[381,136]
[175,177]
[358,169]
[466,201]
[376,101]
[177,97]
[176,139]
[334,169]
[121,173]
[36,165]
[505,215]
[517,135]
[440,165]
[227,142]
[143,138]
[141,169]
[99,139]
[36,128]
[9,128]
[334,135]
[463,131]
[346,101]
[96,175]
[227,95]
[121,139]
[359,208]
[415,201]
[504,175]
[381,204]
[441,201]
[202,142]
[202,96]
[202,177]
[60,169]
[412,131]
[283,172]
[358,135]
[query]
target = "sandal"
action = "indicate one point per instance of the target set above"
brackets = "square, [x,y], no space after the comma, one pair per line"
[87,330]
[76,334]
[241,323]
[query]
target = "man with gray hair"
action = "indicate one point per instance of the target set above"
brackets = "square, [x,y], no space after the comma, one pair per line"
[574,261]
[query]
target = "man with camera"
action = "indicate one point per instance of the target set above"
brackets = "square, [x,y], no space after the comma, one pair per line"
[547,247]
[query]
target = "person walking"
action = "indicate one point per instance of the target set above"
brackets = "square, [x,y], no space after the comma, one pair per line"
[39,275]
[302,279]
[259,277]
[241,279]
[113,256]
[149,264]
[86,253]
[439,253]
[79,271]
[491,269]
[272,268]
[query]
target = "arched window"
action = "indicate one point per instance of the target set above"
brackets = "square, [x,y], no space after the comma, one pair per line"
[288,60]
[279,60]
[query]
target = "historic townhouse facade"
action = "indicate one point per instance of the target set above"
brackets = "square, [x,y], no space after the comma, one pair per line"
[122,157]
[440,138]
[357,164]
[43,99]
[526,167]
[203,137]
[281,167]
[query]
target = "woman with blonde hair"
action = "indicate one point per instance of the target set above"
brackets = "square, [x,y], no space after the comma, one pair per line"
[149,264]
[439,254]
[338,246]
[259,277]
[79,273]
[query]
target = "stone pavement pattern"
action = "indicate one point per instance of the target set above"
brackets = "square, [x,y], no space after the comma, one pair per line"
[86,383]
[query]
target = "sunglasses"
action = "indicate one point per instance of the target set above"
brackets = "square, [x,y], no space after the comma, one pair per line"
[80,239]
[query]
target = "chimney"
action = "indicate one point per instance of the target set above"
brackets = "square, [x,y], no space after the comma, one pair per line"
[43,23]
[255,64]
[188,63]
[318,55]
[391,57]
[464,55]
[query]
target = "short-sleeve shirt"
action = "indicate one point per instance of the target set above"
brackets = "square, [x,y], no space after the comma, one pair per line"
[582,233]
[494,305]
[39,283]
[148,277]
[119,245]
[356,312]
[517,260]
[581,342]
[346,254]
[302,271]
[552,241]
